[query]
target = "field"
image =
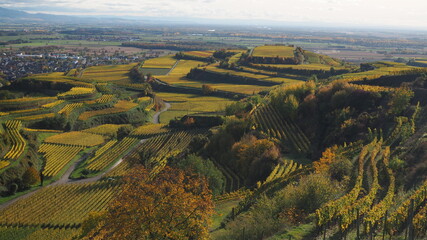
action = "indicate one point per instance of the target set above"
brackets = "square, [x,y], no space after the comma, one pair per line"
[274,51]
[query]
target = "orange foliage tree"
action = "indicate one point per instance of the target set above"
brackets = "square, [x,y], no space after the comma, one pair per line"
[255,157]
[172,205]
[328,156]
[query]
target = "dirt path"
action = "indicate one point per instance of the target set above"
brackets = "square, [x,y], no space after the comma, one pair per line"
[65,178]
[157,115]
[96,178]
[173,67]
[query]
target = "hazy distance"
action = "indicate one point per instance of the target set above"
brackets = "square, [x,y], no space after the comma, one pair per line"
[409,14]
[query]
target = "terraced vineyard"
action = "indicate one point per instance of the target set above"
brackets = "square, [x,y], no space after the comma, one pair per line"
[157,149]
[36,117]
[18,143]
[271,122]
[77,92]
[107,157]
[25,102]
[398,219]
[69,108]
[57,157]
[120,106]
[282,171]
[370,211]
[332,209]
[149,130]
[105,129]
[83,139]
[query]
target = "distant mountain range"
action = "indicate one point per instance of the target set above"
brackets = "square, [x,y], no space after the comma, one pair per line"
[15,16]
[22,17]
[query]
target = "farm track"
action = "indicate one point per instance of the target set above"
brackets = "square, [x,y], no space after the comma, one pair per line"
[65,178]
[172,68]
[157,115]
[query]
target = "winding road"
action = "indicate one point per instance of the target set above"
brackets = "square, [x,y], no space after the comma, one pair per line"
[65,179]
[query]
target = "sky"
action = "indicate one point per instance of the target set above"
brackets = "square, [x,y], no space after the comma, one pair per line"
[408,13]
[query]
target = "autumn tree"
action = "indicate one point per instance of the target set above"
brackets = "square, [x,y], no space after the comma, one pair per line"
[328,156]
[207,89]
[255,158]
[172,205]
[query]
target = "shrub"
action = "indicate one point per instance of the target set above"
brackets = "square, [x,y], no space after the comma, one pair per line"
[310,193]
[13,188]
[31,176]
[207,89]
[340,168]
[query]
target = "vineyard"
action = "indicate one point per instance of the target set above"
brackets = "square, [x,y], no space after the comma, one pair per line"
[282,171]
[57,157]
[107,156]
[107,73]
[37,233]
[273,51]
[161,62]
[53,206]
[105,129]
[156,150]
[18,143]
[69,108]
[120,106]
[269,120]
[77,92]
[375,215]
[73,144]
[149,130]
[83,139]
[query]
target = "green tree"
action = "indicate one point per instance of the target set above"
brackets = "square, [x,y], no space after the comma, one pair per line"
[400,100]
[205,168]
[290,106]
[123,132]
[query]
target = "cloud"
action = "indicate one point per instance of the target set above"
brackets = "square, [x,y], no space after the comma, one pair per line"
[363,12]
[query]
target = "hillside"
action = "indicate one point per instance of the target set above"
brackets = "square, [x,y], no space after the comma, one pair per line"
[274,142]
